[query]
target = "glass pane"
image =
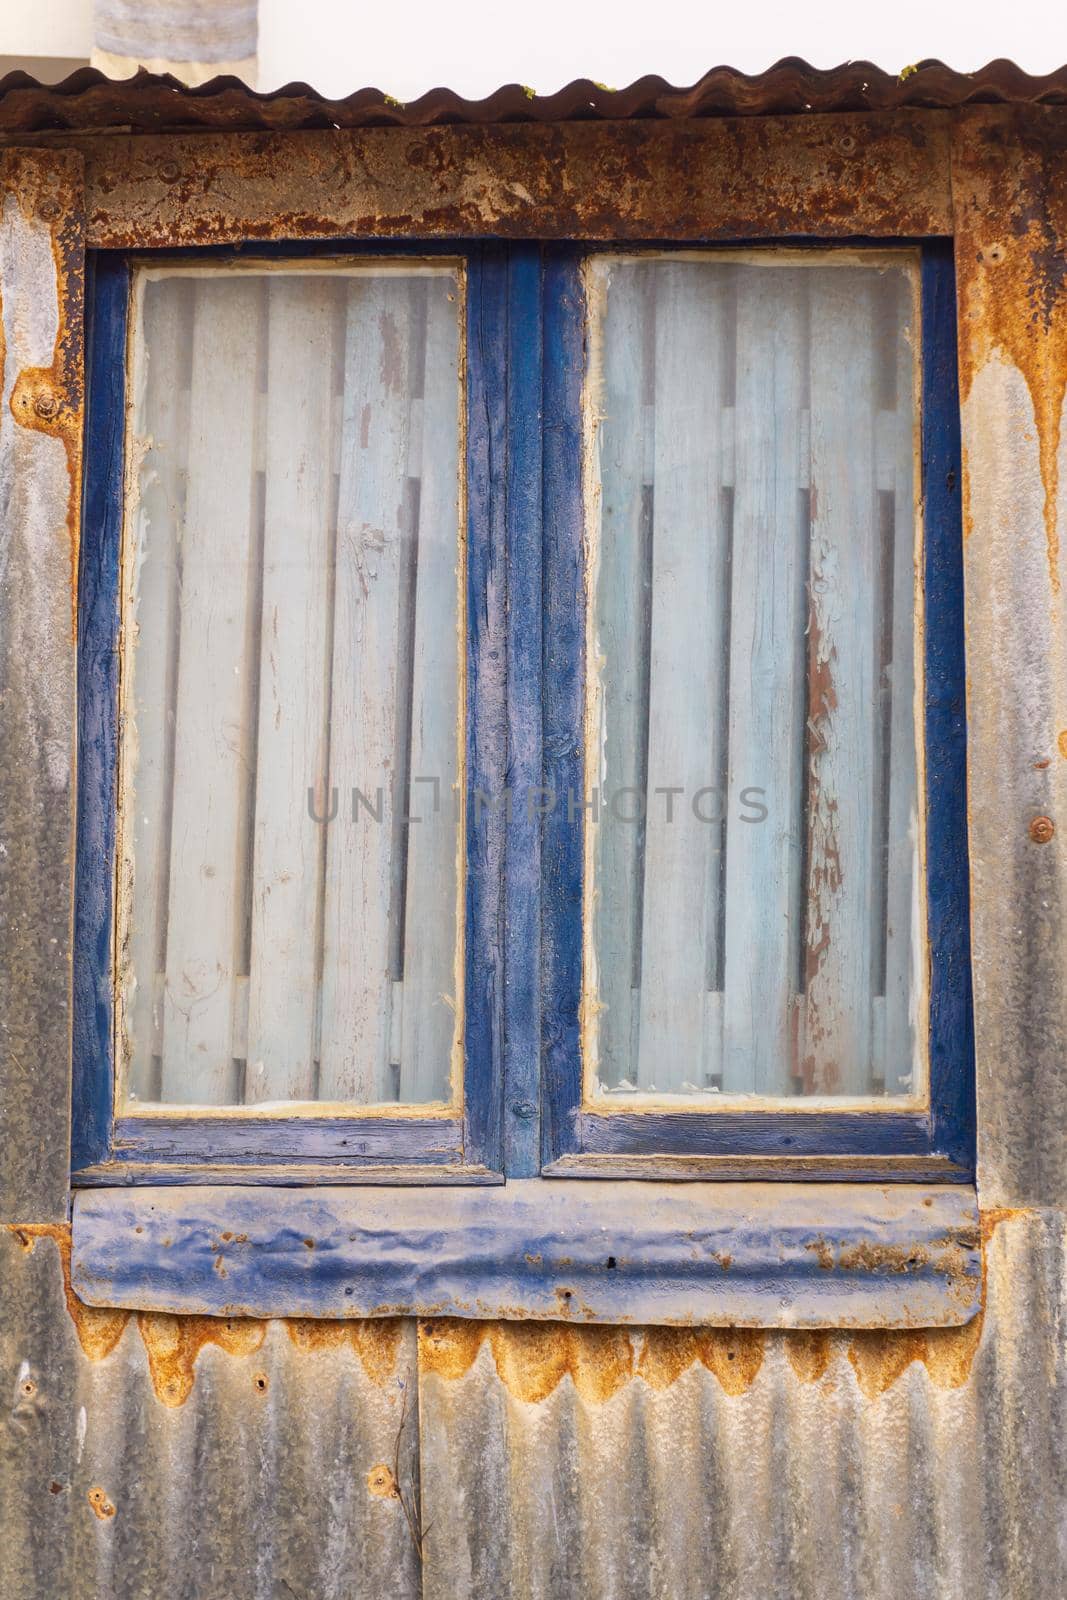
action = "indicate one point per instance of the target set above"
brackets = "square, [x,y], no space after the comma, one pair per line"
[753,872]
[290,686]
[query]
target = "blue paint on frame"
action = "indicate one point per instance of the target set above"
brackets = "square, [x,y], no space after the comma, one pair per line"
[98,612]
[159,1144]
[522,862]
[525,702]
[946,1131]
[951,1037]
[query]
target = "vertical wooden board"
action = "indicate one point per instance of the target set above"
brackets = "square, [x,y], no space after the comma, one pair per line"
[844,722]
[431,1005]
[901,1061]
[160,422]
[768,701]
[685,673]
[618,665]
[371,532]
[41,288]
[212,789]
[291,747]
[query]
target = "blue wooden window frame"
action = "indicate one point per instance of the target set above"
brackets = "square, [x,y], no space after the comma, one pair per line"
[869,1143]
[465,1146]
[522,1113]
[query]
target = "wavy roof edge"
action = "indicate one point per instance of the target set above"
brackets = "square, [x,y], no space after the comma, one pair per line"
[151,103]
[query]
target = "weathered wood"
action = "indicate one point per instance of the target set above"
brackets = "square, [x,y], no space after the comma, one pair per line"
[618,658]
[160,420]
[767,682]
[292,744]
[685,722]
[842,698]
[432,1008]
[372,532]
[212,765]
[900,1067]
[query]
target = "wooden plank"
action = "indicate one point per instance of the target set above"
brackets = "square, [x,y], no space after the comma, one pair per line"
[900,1066]
[372,532]
[292,747]
[768,701]
[685,724]
[160,424]
[843,709]
[212,727]
[618,654]
[432,1011]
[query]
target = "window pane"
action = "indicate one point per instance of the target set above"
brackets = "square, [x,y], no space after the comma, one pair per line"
[292,594]
[753,878]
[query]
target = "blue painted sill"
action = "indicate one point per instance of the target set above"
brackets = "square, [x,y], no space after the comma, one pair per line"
[760,1255]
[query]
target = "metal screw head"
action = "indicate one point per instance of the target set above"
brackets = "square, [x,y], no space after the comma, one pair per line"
[46,404]
[168,171]
[1042,829]
[48,209]
[523,1109]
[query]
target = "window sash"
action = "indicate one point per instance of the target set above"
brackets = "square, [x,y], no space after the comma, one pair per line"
[351,1143]
[874,1139]
[522,1111]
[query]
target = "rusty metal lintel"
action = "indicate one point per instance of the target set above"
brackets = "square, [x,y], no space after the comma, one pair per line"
[831,176]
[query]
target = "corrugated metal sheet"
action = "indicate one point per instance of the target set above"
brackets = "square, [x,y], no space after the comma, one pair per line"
[555,1461]
[151,104]
[214,1460]
[868,1468]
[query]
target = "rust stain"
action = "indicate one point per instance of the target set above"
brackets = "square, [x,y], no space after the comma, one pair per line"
[879,1358]
[172,1345]
[50,188]
[381,1482]
[719,178]
[734,1355]
[531,1359]
[1011,222]
[819,1070]
[376,1341]
[99,1329]
[809,1354]
[101,1504]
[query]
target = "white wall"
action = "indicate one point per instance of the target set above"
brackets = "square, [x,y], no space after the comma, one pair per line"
[475,45]
[46,27]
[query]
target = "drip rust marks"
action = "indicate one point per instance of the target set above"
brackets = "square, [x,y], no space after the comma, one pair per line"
[173,1343]
[531,1359]
[47,187]
[1010,207]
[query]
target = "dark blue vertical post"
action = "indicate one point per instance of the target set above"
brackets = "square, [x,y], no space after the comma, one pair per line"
[98,631]
[563,715]
[952,1096]
[529,799]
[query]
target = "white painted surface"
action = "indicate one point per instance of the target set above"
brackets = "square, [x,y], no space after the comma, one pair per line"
[476,45]
[297,607]
[767,661]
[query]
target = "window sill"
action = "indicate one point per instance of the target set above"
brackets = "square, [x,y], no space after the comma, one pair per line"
[728,1254]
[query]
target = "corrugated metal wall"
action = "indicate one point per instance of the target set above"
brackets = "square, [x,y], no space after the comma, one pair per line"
[153,1456]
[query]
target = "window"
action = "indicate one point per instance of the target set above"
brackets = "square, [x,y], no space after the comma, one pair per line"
[522,719]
